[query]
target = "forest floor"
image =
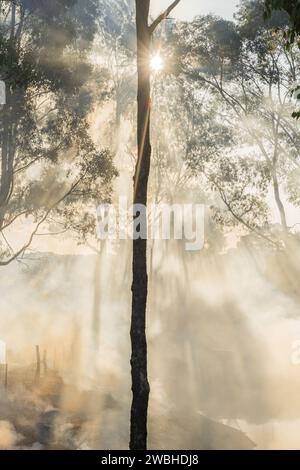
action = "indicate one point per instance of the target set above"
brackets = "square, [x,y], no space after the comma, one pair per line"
[46,413]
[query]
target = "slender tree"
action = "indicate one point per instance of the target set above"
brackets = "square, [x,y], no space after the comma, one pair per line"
[140,384]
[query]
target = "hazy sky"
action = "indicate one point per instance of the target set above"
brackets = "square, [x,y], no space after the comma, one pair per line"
[187,9]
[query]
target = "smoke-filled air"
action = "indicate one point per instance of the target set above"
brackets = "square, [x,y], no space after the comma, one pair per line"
[149,225]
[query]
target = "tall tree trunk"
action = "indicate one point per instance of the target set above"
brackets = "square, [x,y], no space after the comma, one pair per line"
[97,299]
[10,123]
[276,183]
[8,150]
[140,385]
[279,201]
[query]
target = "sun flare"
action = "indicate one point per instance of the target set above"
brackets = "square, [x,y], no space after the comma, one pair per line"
[156,63]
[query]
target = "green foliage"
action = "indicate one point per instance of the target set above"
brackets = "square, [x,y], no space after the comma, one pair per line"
[117,23]
[213,41]
[50,158]
[253,21]
[291,34]
[244,141]
[292,8]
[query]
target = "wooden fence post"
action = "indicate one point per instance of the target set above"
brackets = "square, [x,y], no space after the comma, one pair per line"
[38,364]
[45,362]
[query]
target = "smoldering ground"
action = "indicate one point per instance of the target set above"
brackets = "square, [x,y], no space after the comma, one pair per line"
[219,351]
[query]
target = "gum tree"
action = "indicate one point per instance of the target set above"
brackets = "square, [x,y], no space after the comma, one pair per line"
[246,69]
[140,384]
[49,163]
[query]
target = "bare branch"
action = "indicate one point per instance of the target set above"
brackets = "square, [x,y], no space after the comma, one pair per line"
[35,232]
[24,248]
[7,224]
[163,16]
[240,219]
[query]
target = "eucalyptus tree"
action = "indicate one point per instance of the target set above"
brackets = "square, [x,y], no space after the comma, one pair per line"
[116,40]
[292,8]
[50,165]
[140,384]
[291,32]
[245,67]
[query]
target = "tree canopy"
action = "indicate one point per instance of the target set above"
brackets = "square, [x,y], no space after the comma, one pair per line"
[50,162]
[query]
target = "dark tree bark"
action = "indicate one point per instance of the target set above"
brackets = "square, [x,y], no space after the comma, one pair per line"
[140,384]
